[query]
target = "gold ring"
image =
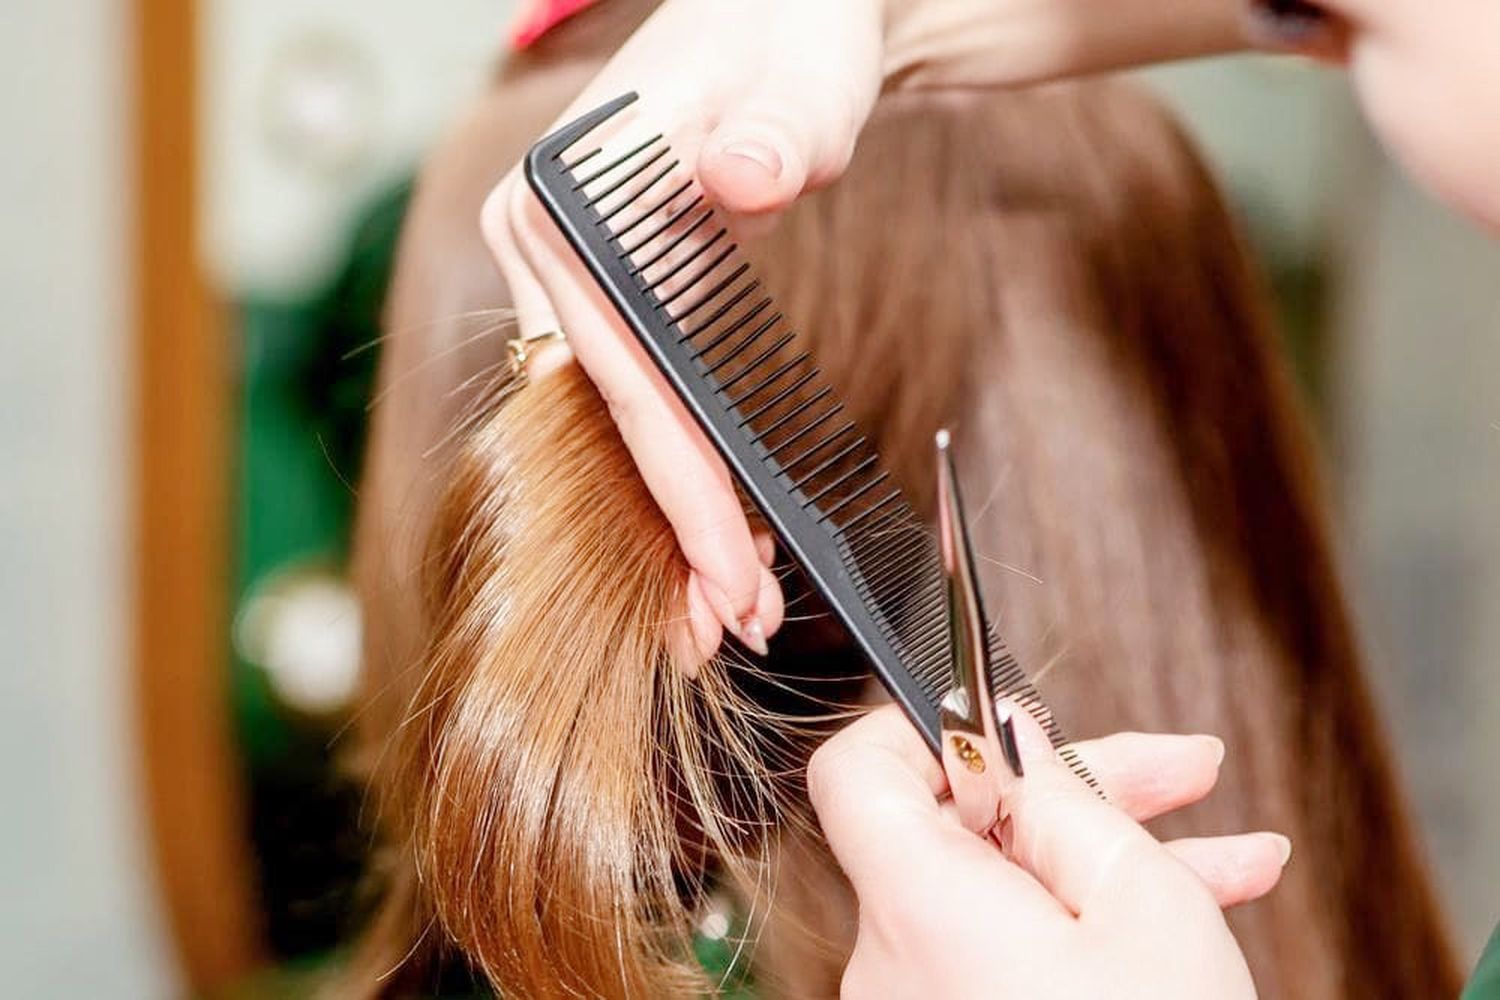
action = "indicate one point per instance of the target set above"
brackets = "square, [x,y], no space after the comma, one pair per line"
[520,348]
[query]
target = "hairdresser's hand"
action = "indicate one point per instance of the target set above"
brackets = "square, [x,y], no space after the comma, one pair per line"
[1091,905]
[764,99]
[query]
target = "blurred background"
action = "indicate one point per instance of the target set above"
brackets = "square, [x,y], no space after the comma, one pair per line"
[202,198]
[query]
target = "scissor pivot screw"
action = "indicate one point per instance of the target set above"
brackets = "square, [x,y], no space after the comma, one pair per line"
[969,754]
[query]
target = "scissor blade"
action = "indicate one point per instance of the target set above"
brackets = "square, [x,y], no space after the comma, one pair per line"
[972,736]
[967,625]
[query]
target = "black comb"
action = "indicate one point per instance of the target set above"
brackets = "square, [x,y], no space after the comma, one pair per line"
[643,228]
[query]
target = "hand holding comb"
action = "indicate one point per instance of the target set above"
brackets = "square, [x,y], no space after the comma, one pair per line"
[641,227]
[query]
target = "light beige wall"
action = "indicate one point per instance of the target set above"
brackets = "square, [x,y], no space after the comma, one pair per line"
[1421,417]
[310,108]
[77,915]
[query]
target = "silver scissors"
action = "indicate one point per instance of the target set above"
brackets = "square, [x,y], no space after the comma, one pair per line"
[974,741]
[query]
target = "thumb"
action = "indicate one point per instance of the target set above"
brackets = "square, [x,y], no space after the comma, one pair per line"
[794,128]
[875,787]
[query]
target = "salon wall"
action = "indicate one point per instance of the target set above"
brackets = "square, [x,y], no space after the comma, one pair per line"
[311,109]
[77,912]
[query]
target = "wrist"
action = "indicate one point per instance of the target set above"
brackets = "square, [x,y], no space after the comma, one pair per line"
[1015,42]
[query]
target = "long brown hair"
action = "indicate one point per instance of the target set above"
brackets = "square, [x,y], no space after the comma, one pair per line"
[1053,274]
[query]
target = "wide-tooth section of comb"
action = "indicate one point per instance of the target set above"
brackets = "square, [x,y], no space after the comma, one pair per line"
[639,221]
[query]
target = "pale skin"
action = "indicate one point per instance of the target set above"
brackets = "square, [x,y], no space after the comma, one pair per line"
[766,99]
[1083,902]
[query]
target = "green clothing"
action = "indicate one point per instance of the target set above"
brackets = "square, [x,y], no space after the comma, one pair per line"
[1486,982]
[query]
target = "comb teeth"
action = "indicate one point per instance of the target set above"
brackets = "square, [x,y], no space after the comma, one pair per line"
[765,406]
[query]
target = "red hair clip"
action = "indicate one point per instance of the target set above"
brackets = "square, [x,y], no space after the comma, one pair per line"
[538,17]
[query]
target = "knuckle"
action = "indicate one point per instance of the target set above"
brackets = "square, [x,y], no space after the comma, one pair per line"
[1139,870]
[823,768]
[819,771]
[494,223]
[625,407]
[511,218]
[850,119]
[1033,799]
[527,216]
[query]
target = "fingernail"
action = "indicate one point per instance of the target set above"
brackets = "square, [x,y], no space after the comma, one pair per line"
[1006,722]
[1283,847]
[1026,735]
[747,630]
[1217,744]
[753,635]
[1285,24]
[756,152]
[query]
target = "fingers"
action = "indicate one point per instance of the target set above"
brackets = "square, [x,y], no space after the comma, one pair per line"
[774,115]
[795,126]
[769,608]
[875,787]
[1236,869]
[701,633]
[534,312]
[1089,854]
[752,167]
[680,469]
[878,762]
[1147,774]
[765,547]
[702,629]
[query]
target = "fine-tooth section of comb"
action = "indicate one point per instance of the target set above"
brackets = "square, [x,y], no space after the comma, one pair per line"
[645,231]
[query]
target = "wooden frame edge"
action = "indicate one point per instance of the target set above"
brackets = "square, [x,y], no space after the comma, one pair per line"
[192,791]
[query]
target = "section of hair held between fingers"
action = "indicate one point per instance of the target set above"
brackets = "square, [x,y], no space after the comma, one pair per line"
[696,636]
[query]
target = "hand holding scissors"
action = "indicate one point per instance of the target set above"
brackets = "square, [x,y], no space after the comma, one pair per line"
[1083,901]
